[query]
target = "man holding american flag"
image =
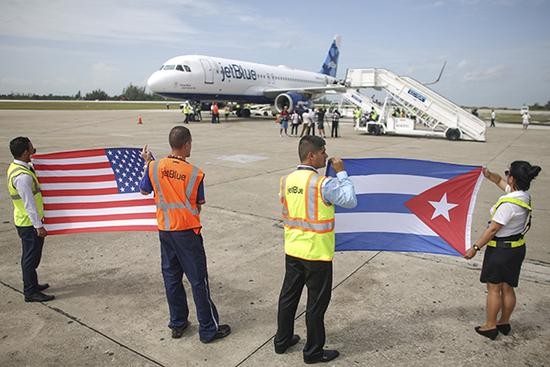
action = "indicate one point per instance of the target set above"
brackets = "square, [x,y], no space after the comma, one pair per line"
[28,213]
[179,194]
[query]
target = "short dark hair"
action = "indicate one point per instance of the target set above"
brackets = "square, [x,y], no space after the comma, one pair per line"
[524,173]
[179,136]
[310,143]
[19,145]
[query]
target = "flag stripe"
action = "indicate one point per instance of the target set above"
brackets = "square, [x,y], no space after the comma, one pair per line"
[56,179]
[116,210]
[91,192]
[383,241]
[100,224]
[98,205]
[393,184]
[78,173]
[379,203]
[125,228]
[92,159]
[82,166]
[397,166]
[95,199]
[77,185]
[72,154]
[381,222]
[98,218]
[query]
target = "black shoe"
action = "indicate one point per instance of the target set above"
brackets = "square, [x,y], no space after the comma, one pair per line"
[177,332]
[38,297]
[293,341]
[491,333]
[504,328]
[42,287]
[223,331]
[328,355]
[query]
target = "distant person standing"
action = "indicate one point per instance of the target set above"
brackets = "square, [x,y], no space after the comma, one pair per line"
[295,119]
[335,122]
[214,109]
[198,115]
[321,122]
[307,122]
[285,115]
[526,118]
[226,112]
[28,213]
[493,118]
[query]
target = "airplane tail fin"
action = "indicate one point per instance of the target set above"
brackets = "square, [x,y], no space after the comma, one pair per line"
[330,65]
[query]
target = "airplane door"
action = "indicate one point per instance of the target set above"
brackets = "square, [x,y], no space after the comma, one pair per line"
[208,71]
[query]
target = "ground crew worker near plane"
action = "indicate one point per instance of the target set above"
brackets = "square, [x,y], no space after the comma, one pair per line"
[28,212]
[179,194]
[308,200]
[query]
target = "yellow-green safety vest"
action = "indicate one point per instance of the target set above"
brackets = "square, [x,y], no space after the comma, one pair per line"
[308,220]
[518,240]
[20,216]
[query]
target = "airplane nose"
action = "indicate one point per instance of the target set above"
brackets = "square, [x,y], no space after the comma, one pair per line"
[154,83]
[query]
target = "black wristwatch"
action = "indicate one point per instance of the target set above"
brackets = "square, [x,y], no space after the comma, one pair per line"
[476,247]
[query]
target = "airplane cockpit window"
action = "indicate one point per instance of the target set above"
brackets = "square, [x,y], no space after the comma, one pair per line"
[179,67]
[187,68]
[169,67]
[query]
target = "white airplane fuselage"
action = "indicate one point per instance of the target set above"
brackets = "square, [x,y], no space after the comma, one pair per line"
[206,78]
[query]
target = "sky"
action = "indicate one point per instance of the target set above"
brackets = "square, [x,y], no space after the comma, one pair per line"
[497,51]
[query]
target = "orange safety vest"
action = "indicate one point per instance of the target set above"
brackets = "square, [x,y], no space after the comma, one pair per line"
[176,185]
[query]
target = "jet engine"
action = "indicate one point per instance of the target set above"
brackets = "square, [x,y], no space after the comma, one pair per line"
[290,99]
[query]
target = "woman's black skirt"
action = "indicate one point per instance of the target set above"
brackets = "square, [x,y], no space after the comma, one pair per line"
[502,265]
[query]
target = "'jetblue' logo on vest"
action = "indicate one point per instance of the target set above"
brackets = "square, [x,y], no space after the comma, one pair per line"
[237,72]
[295,190]
[171,173]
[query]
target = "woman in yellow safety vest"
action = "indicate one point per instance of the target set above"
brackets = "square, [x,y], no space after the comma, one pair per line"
[510,220]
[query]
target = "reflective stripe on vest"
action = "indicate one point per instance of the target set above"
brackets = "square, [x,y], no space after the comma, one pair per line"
[518,240]
[20,215]
[166,205]
[308,220]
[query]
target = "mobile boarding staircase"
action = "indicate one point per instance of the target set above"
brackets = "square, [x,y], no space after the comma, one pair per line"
[434,115]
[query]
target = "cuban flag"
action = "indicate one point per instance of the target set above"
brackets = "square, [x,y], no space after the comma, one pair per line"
[408,205]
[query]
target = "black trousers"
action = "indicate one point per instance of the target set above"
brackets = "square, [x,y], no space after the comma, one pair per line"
[334,130]
[30,257]
[317,276]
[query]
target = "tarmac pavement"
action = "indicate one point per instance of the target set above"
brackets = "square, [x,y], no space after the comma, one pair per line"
[387,308]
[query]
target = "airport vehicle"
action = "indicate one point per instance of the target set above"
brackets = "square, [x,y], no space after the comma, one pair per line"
[425,112]
[206,78]
[261,110]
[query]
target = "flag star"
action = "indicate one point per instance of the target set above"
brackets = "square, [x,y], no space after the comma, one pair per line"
[442,207]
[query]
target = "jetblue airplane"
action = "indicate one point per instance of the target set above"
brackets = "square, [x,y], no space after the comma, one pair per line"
[205,78]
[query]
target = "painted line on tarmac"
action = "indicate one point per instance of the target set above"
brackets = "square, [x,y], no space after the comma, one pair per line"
[304,311]
[75,319]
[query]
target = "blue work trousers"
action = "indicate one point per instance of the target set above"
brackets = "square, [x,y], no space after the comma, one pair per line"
[182,252]
[30,257]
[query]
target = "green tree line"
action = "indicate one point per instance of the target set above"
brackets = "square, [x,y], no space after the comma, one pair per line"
[130,93]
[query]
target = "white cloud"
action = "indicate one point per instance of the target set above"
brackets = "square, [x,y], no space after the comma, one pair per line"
[462,64]
[492,73]
[98,21]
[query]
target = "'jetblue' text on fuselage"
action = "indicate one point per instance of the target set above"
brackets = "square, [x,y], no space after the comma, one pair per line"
[237,72]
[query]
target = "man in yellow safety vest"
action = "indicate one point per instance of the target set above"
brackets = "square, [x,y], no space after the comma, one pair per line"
[28,212]
[308,200]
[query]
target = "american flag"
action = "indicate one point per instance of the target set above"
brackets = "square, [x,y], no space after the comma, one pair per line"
[95,190]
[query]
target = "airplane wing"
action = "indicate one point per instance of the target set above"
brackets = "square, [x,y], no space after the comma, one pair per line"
[271,93]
